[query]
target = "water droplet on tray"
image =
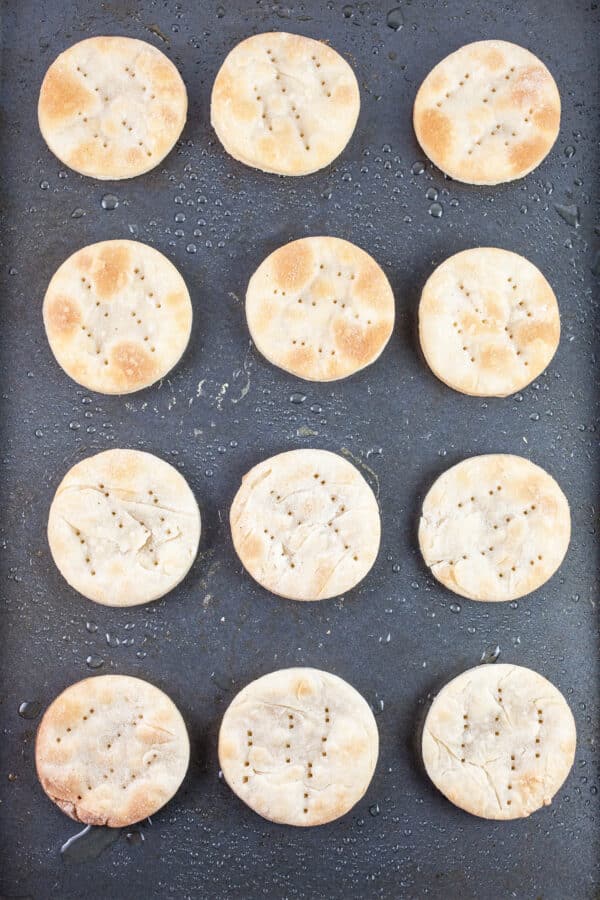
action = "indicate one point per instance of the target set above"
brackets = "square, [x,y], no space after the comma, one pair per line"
[374,809]
[569,151]
[91,627]
[431,193]
[44,185]
[568,213]
[89,843]
[137,837]
[347,11]
[94,662]
[395,19]
[378,707]
[418,168]
[30,709]
[109,201]
[436,210]
[490,654]
[78,213]
[455,607]
[297,397]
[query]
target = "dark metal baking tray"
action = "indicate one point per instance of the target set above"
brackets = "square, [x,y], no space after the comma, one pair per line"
[398,636]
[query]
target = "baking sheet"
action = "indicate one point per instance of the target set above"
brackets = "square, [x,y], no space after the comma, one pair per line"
[399,635]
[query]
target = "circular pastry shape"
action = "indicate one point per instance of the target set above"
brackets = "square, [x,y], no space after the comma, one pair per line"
[499,741]
[111,750]
[299,746]
[118,316]
[320,308]
[488,113]
[305,525]
[123,528]
[112,107]
[488,322]
[494,527]
[284,103]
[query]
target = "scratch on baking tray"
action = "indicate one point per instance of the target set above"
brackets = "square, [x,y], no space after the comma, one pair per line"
[221,395]
[243,373]
[206,557]
[234,297]
[359,462]
[234,390]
